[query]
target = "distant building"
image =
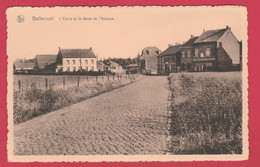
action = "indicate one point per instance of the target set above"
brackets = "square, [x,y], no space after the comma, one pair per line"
[169,60]
[217,50]
[71,60]
[46,63]
[115,68]
[148,60]
[20,66]
[132,68]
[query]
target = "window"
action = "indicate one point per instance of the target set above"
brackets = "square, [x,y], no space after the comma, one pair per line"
[86,61]
[92,68]
[68,61]
[74,68]
[68,69]
[92,61]
[147,52]
[196,53]
[183,55]
[73,61]
[79,61]
[201,54]
[207,52]
[188,54]
[172,59]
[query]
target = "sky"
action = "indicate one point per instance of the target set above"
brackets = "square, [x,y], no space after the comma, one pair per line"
[130,30]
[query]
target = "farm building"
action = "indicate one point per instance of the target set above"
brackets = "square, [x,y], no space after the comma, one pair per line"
[23,66]
[148,60]
[71,60]
[169,60]
[216,50]
[46,63]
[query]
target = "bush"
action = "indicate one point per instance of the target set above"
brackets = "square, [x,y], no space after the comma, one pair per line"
[208,119]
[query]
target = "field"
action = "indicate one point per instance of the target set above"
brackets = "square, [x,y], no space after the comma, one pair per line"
[34,98]
[206,113]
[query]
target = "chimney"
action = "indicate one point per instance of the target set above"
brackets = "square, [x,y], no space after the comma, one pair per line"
[227,27]
[59,48]
[169,45]
[204,30]
[191,36]
[90,48]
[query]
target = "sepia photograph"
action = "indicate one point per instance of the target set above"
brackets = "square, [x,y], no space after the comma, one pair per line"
[127,83]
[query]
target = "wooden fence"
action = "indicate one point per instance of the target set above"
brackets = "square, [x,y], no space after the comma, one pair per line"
[24,82]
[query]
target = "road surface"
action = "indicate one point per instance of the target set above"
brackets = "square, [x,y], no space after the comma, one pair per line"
[131,120]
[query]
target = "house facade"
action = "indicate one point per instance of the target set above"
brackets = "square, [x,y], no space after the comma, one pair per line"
[187,54]
[148,60]
[72,60]
[216,50]
[169,60]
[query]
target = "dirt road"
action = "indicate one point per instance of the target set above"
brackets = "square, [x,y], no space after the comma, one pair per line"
[130,120]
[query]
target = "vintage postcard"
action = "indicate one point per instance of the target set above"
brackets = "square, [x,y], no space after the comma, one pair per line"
[127,84]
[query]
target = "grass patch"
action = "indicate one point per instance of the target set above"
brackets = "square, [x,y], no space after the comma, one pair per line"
[206,113]
[33,102]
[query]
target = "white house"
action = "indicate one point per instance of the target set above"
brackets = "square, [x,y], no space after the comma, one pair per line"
[116,68]
[71,60]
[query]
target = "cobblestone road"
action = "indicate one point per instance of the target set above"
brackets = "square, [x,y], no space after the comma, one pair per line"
[129,120]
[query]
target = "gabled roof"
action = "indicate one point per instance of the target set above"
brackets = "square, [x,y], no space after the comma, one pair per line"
[211,35]
[77,53]
[172,50]
[151,51]
[190,41]
[44,60]
[24,65]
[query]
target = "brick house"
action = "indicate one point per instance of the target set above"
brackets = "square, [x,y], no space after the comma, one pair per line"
[216,50]
[71,60]
[169,60]
[187,53]
[148,60]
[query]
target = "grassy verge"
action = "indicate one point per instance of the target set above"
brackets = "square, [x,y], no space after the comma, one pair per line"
[34,102]
[206,113]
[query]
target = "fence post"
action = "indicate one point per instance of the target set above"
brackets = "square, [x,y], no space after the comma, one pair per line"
[113,77]
[19,85]
[102,78]
[96,78]
[63,82]
[46,83]
[87,77]
[108,77]
[78,82]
